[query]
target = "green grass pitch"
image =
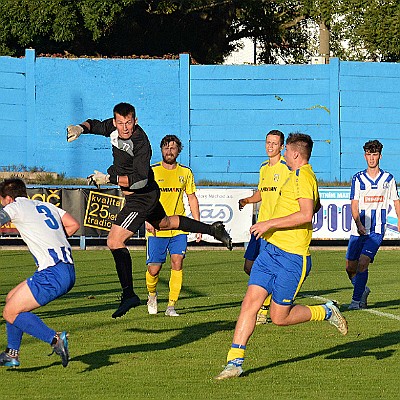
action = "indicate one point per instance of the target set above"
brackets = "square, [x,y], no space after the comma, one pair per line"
[143,356]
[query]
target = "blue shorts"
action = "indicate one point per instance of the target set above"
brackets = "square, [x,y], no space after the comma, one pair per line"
[158,247]
[253,248]
[279,272]
[52,282]
[363,244]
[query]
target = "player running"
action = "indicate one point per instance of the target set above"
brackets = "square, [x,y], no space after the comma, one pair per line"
[44,228]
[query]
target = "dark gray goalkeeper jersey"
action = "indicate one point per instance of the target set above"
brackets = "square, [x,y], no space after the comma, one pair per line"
[131,157]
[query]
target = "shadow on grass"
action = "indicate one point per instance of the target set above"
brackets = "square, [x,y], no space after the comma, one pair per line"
[372,347]
[101,358]
[328,293]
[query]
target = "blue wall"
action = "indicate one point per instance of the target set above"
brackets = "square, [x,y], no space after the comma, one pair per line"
[221,113]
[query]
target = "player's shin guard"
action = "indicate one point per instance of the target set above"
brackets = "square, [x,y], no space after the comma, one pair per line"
[175,286]
[151,282]
[123,264]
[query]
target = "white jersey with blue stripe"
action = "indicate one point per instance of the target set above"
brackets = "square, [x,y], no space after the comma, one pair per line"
[375,197]
[41,228]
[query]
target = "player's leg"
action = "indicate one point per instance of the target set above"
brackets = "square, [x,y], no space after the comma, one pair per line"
[43,287]
[245,325]
[370,246]
[353,255]
[128,221]
[216,229]
[156,254]
[177,249]
[123,264]
[251,253]
[260,284]
[290,272]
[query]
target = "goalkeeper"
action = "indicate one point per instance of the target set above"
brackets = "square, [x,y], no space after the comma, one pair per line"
[131,170]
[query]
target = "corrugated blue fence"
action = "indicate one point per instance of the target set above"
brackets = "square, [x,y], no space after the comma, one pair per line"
[221,113]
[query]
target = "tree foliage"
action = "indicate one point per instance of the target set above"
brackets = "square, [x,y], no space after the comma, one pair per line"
[371,28]
[207,29]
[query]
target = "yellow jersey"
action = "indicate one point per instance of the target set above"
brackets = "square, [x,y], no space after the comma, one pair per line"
[271,180]
[301,183]
[173,184]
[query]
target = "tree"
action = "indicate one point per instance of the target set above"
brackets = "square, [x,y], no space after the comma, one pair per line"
[205,28]
[371,30]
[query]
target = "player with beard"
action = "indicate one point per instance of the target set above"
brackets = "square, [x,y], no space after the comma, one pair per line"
[174,180]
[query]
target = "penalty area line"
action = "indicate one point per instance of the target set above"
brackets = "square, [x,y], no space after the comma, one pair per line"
[369,310]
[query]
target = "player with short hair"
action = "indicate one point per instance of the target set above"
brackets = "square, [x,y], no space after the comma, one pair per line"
[284,260]
[273,174]
[372,192]
[131,170]
[174,180]
[44,228]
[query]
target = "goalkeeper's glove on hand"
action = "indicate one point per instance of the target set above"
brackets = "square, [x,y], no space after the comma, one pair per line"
[73,132]
[98,178]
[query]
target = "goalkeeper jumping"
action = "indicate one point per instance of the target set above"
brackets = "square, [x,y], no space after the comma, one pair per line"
[131,170]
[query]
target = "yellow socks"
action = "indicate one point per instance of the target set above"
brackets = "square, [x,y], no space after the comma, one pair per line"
[267,301]
[151,283]
[236,354]
[175,286]
[318,313]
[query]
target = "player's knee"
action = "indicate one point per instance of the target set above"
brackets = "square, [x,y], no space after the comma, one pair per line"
[154,269]
[350,273]
[278,320]
[8,315]
[363,266]
[114,243]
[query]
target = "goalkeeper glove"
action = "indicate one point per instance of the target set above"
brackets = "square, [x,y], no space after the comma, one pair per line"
[73,132]
[98,178]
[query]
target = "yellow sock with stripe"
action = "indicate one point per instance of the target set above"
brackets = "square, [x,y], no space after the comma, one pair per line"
[175,286]
[318,313]
[236,354]
[151,283]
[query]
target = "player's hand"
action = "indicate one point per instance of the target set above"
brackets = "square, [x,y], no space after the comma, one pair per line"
[98,178]
[150,228]
[73,132]
[361,230]
[242,203]
[199,236]
[259,228]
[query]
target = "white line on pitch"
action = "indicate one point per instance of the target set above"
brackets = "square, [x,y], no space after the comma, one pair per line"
[381,314]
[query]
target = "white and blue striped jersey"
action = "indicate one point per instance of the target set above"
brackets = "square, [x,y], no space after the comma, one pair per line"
[41,228]
[375,197]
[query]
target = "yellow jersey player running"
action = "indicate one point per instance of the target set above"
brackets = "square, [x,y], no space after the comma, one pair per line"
[284,260]
[174,180]
[273,174]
